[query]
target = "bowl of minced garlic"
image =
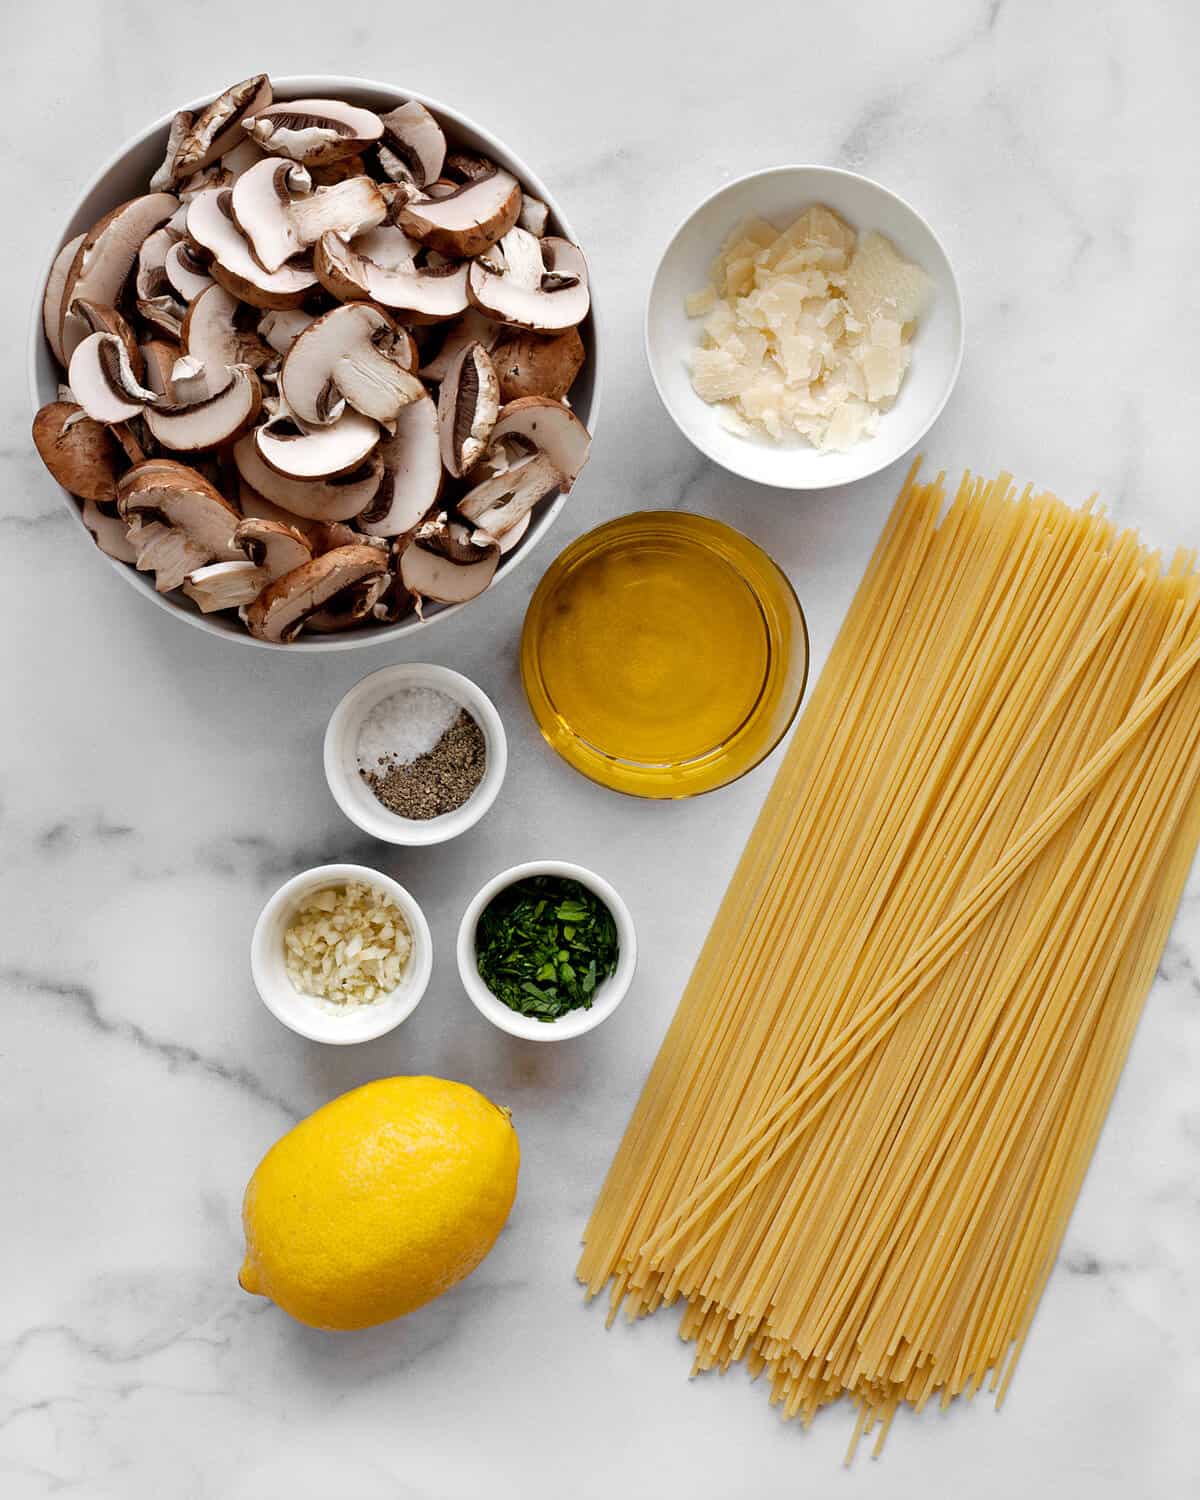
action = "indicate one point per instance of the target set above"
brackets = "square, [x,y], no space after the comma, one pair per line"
[804,327]
[415,754]
[341,953]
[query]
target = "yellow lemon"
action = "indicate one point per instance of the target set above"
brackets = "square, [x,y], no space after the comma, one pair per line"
[379,1202]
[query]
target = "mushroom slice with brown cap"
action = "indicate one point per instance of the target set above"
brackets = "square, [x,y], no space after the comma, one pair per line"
[160,358]
[351,607]
[52,297]
[339,498]
[541,285]
[109,532]
[217,128]
[211,225]
[467,221]
[151,278]
[273,546]
[103,380]
[273,549]
[442,563]
[534,364]
[413,146]
[164,177]
[353,354]
[314,131]
[274,206]
[101,319]
[185,272]
[281,610]
[105,258]
[501,501]
[470,327]
[538,422]
[78,451]
[177,521]
[298,451]
[212,336]
[468,404]
[423,291]
[206,424]
[412,473]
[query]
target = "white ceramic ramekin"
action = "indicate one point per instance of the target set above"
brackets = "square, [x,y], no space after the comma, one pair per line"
[780,194]
[609,993]
[355,797]
[313,1018]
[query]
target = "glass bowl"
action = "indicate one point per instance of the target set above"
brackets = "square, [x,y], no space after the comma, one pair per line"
[664,654]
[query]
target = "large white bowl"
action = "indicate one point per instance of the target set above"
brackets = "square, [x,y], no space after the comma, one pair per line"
[126,174]
[780,194]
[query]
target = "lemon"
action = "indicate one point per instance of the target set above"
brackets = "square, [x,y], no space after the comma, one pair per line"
[379,1202]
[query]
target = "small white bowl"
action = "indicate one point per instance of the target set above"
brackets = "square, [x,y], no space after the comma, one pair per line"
[311,1017]
[355,797]
[609,993]
[780,194]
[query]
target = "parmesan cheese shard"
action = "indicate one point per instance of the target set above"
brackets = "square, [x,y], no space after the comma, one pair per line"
[806,330]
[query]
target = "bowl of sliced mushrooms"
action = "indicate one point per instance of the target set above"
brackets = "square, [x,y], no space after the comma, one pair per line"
[314,363]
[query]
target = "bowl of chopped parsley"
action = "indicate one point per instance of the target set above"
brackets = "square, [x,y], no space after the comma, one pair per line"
[547,950]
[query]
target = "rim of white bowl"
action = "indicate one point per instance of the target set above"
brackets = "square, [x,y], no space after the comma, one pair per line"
[298,86]
[609,994]
[308,1020]
[360,804]
[682,227]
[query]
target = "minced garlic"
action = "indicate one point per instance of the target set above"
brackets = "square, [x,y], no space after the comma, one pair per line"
[348,944]
[807,330]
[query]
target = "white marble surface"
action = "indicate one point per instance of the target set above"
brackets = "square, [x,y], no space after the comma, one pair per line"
[156,785]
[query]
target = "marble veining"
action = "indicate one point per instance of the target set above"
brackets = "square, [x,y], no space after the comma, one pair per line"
[155,786]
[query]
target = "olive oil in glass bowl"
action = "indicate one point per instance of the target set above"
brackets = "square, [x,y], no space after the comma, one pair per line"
[664,654]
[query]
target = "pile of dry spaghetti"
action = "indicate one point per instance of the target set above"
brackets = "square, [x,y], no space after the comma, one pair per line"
[860,1144]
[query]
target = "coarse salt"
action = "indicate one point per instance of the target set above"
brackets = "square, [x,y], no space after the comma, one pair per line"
[404,725]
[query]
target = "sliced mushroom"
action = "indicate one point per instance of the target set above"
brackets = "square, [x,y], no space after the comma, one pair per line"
[280,327]
[211,225]
[531,364]
[224,585]
[510,539]
[314,131]
[502,500]
[100,319]
[338,171]
[163,314]
[413,147]
[211,334]
[412,473]
[351,607]
[160,358]
[103,379]
[339,498]
[105,258]
[536,284]
[442,563]
[538,422]
[218,127]
[185,272]
[164,177]
[275,547]
[52,297]
[152,262]
[467,221]
[177,521]
[298,451]
[281,610]
[353,354]
[109,532]
[206,424]
[468,404]
[534,216]
[78,451]
[425,291]
[471,327]
[275,207]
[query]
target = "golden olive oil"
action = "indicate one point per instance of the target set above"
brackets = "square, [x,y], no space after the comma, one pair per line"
[659,651]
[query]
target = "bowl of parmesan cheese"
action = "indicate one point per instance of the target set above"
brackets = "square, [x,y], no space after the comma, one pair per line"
[804,327]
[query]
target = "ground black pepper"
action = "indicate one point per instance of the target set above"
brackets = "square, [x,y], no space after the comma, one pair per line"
[436,782]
